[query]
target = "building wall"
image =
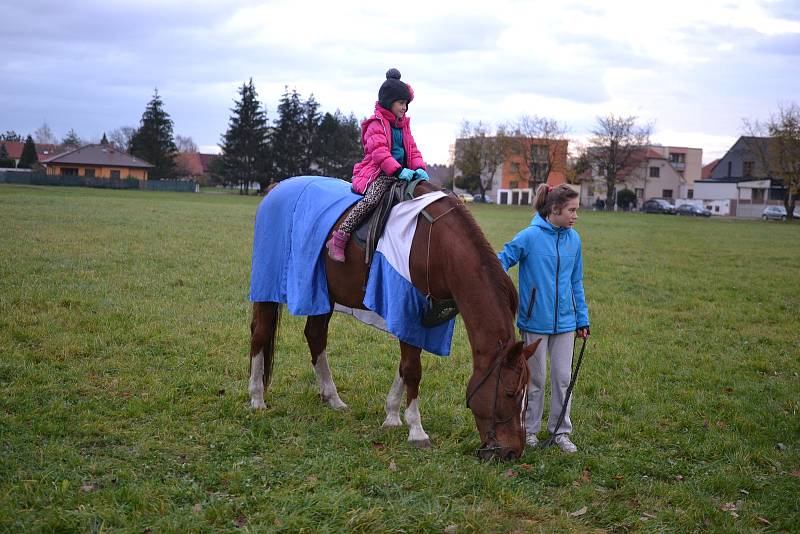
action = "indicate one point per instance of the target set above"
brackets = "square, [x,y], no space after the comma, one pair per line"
[57,169]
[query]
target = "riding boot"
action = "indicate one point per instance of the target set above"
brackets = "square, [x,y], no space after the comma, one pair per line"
[336,245]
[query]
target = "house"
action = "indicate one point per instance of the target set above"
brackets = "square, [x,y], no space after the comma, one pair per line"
[43,151]
[667,172]
[738,183]
[529,163]
[194,165]
[97,161]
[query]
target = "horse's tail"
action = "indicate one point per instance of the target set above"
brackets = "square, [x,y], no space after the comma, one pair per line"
[264,332]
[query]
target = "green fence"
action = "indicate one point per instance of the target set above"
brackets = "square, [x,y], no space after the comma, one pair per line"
[9,176]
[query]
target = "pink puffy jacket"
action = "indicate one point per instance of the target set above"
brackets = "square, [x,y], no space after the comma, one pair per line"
[376,136]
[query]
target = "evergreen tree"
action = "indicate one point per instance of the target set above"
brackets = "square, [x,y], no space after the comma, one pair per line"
[104,140]
[5,159]
[154,142]
[339,145]
[287,137]
[309,136]
[29,156]
[71,140]
[245,146]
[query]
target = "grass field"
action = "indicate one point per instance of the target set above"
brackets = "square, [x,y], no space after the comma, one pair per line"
[124,327]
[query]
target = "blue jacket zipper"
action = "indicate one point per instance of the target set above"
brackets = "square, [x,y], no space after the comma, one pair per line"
[558,268]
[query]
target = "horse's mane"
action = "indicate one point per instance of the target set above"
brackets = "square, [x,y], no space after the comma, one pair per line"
[489,261]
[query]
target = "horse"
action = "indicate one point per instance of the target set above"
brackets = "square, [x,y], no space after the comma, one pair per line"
[450,259]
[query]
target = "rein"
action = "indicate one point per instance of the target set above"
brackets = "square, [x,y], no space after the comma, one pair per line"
[492,434]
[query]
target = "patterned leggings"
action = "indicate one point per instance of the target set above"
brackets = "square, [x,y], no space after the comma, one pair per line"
[372,196]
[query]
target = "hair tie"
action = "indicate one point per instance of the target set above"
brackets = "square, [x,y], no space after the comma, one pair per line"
[549,188]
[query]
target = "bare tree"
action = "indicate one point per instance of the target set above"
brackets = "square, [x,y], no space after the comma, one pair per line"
[185,144]
[44,135]
[478,155]
[121,138]
[780,155]
[538,142]
[616,143]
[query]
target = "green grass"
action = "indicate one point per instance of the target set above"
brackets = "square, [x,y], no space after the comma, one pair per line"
[124,327]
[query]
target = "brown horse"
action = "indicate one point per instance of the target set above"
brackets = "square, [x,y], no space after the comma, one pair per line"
[454,257]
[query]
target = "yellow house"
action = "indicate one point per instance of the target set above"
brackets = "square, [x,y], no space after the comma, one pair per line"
[98,161]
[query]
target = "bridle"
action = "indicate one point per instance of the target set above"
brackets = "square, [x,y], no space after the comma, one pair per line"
[491,445]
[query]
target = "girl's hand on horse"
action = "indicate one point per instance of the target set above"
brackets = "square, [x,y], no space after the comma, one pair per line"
[583,332]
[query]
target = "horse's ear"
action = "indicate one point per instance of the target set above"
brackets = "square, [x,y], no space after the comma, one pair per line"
[529,351]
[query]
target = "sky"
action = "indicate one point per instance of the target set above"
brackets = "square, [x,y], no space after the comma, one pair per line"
[694,69]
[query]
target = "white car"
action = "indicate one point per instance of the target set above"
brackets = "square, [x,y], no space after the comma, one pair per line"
[776,213]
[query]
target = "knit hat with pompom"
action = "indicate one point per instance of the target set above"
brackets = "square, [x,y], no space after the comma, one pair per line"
[393,89]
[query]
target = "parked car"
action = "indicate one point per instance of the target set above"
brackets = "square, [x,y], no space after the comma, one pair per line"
[775,213]
[465,198]
[486,199]
[692,210]
[658,205]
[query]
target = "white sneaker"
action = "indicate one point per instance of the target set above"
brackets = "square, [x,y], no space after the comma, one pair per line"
[564,443]
[531,440]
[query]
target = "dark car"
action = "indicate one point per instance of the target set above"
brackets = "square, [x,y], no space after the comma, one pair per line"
[658,205]
[692,210]
[485,199]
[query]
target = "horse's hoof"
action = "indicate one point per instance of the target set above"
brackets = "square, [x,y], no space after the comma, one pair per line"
[335,403]
[341,407]
[421,443]
[392,422]
[258,405]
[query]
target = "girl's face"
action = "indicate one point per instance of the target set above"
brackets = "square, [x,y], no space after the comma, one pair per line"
[566,216]
[399,108]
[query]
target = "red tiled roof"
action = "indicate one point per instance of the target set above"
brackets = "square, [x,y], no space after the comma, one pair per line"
[14,149]
[705,174]
[194,164]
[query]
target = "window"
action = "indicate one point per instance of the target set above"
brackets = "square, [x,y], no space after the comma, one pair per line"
[524,200]
[747,168]
[730,168]
[115,174]
[89,173]
[758,196]
[690,193]
[513,184]
[666,193]
[655,172]
[515,167]
[675,157]
[69,171]
[639,193]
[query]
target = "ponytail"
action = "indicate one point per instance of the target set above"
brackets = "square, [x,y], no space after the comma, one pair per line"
[548,198]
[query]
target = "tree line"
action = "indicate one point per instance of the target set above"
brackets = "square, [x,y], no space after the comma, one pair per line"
[299,141]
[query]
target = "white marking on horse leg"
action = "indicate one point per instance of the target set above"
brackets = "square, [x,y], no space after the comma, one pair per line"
[392,405]
[327,389]
[416,434]
[256,387]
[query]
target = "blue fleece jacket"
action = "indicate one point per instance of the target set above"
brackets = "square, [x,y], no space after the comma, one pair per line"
[551,298]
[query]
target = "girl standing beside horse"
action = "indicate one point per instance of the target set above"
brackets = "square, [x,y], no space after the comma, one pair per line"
[552,306]
[390,153]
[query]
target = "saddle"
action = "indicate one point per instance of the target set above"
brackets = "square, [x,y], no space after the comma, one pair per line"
[371,229]
[366,236]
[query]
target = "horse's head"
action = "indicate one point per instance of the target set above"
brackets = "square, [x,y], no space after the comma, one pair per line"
[497,397]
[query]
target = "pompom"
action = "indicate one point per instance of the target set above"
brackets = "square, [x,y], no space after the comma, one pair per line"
[392,73]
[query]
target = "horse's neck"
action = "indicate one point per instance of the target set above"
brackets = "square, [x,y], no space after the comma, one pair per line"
[482,302]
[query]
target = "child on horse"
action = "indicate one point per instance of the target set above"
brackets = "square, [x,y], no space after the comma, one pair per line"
[551,305]
[390,153]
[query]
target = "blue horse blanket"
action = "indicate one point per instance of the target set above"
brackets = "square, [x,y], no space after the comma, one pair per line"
[292,224]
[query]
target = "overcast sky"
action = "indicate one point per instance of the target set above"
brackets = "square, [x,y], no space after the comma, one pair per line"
[695,68]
